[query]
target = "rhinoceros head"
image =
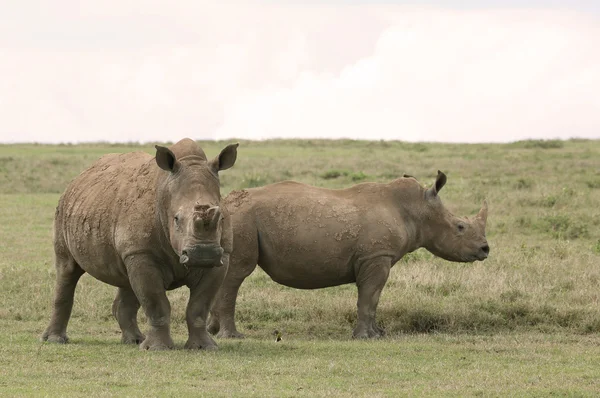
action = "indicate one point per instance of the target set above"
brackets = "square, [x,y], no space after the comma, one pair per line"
[188,200]
[450,237]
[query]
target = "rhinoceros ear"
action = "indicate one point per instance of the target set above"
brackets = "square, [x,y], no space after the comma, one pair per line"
[226,158]
[165,159]
[440,181]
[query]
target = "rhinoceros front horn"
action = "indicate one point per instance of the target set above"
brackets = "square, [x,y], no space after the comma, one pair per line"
[483,213]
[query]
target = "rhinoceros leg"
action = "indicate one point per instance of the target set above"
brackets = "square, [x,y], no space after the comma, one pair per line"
[125,309]
[222,318]
[204,286]
[370,280]
[68,273]
[148,285]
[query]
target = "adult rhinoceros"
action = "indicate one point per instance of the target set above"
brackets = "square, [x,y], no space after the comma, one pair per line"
[145,225]
[309,238]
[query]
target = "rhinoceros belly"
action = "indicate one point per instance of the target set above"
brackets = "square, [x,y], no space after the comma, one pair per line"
[308,248]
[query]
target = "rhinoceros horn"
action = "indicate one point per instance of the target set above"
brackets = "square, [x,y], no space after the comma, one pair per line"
[483,213]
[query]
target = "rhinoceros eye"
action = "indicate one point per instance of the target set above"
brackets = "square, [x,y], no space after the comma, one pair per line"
[461,227]
[176,219]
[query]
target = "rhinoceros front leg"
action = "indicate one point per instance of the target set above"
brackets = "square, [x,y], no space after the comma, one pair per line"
[204,286]
[371,279]
[125,309]
[68,273]
[148,285]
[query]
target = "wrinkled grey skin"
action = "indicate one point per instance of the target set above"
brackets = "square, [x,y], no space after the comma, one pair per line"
[145,225]
[309,238]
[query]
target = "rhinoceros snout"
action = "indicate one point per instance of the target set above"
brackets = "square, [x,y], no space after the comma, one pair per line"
[484,252]
[202,256]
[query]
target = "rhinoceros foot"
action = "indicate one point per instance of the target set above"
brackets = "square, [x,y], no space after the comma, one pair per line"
[154,347]
[54,338]
[372,332]
[132,338]
[202,342]
[50,337]
[157,342]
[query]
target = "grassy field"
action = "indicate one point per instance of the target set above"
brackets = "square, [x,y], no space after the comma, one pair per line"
[525,322]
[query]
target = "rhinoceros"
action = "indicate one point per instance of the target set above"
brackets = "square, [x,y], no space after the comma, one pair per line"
[146,225]
[307,237]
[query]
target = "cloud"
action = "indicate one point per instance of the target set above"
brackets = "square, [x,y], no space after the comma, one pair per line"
[444,76]
[113,71]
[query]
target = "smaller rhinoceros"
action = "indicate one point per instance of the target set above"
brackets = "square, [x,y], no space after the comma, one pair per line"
[309,238]
[145,225]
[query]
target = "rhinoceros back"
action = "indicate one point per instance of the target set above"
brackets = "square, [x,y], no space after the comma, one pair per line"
[108,210]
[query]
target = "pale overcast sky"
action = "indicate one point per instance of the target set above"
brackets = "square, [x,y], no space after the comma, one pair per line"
[453,71]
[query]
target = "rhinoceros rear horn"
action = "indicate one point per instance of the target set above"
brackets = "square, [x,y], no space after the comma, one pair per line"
[165,159]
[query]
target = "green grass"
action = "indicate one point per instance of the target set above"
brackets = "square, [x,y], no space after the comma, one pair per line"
[525,322]
[425,365]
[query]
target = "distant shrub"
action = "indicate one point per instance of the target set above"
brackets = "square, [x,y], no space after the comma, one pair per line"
[577,231]
[255,180]
[529,252]
[562,287]
[440,289]
[593,184]
[560,226]
[331,174]
[556,224]
[389,175]
[512,295]
[523,221]
[427,321]
[560,250]
[417,147]
[596,247]
[548,201]
[359,176]
[287,173]
[59,161]
[592,326]
[523,184]
[543,144]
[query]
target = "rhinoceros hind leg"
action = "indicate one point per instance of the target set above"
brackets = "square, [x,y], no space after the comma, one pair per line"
[222,316]
[68,273]
[370,279]
[125,308]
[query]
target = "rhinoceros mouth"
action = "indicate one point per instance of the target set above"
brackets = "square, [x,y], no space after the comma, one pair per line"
[202,256]
[200,263]
[476,257]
